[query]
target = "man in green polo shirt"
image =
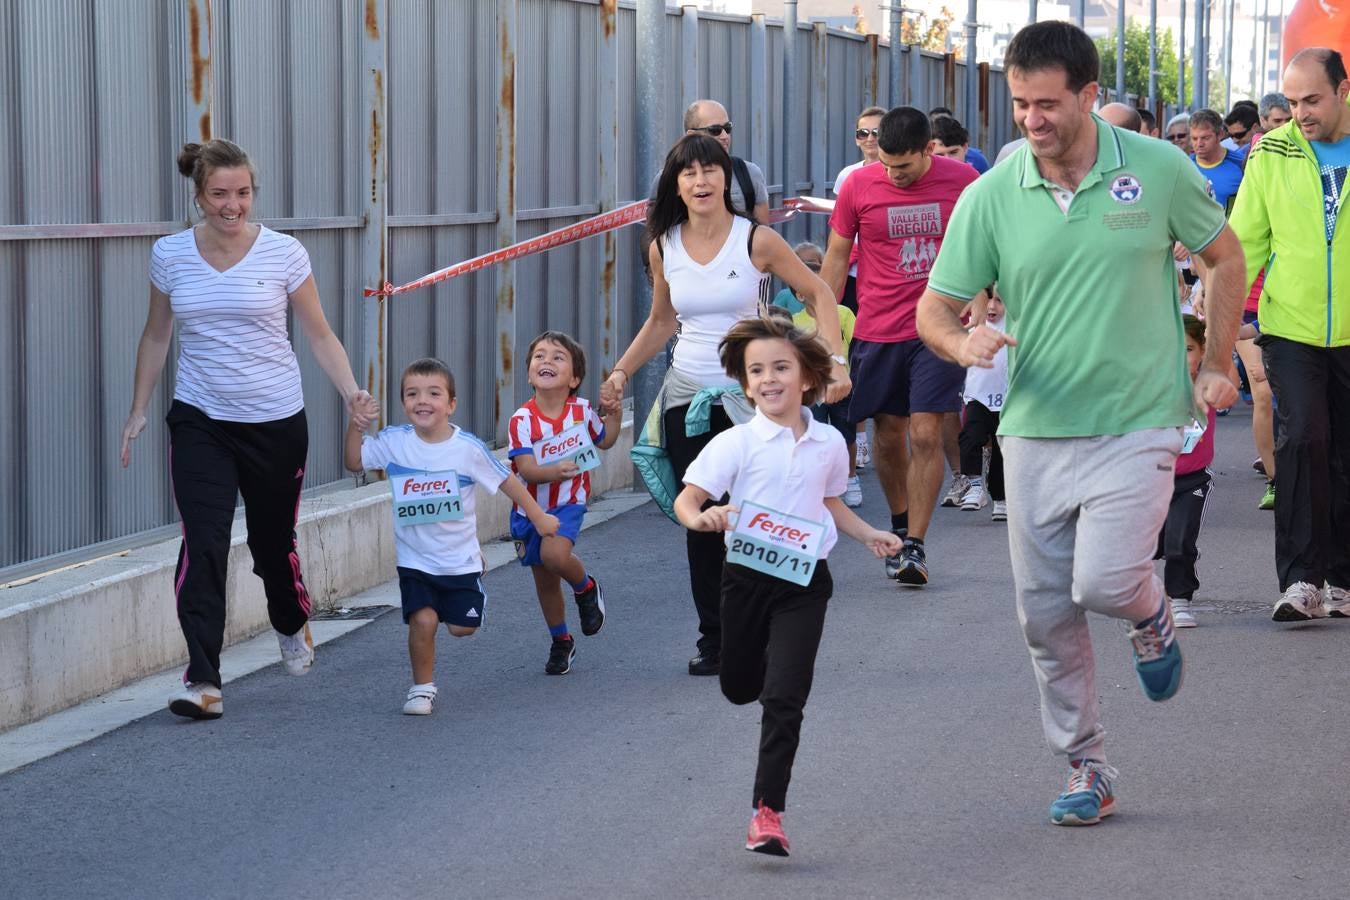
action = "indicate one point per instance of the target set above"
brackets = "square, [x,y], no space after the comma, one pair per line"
[1077,229]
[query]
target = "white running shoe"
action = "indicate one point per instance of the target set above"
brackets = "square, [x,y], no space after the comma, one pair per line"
[198,700]
[853,493]
[974,498]
[1300,602]
[1000,513]
[864,454]
[1338,602]
[960,484]
[297,650]
[421,698]
[1181,614]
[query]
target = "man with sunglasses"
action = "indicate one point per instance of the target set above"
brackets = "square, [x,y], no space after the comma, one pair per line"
[749,190]
[1241,123]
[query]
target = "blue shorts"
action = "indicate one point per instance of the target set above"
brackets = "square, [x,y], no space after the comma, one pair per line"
[457,599]
[901,379]
[528,541]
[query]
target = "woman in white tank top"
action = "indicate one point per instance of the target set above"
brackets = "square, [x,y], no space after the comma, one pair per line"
[707,265]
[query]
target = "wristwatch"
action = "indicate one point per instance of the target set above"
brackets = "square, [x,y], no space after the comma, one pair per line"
[840,359]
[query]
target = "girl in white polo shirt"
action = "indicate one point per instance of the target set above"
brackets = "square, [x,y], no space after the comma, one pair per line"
[707,265]
[237,423]
[785,473]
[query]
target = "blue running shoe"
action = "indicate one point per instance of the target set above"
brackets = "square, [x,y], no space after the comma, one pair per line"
[1088,799]
[1157,658]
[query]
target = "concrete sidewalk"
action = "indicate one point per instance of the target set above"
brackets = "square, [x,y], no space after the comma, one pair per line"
[922,772]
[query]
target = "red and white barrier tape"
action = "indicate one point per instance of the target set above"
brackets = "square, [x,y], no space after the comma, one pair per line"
[618,218]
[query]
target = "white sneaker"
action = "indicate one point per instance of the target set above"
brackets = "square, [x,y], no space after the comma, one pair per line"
[853,493]
[1300,602]
[297,650]
[960,484]
[1181,614]
[1000,513]
[198,700]
[864,458]
[974,497]
[1338,602]
[421,698]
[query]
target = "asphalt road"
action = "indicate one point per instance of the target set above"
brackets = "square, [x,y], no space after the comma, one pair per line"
[922,772]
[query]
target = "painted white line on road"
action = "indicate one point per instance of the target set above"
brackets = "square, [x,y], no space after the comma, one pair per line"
[72,727]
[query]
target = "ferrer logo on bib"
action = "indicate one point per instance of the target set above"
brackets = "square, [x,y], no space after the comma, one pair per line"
[574,444]
[776,543]
[421,498]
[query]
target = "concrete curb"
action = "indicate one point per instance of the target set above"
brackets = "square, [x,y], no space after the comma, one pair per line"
[87,630]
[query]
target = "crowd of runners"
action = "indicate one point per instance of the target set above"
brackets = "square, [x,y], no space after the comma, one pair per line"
[1056,331]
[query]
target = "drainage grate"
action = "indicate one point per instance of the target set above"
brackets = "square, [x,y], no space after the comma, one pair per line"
[353,612]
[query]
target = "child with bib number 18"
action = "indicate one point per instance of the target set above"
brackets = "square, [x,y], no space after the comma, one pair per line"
[434,471]
[785,473]
[554,442]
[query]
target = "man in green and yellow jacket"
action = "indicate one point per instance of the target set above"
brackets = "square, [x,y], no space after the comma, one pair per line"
[1289,215]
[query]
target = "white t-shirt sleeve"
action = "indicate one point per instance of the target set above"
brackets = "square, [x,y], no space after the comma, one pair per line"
[376,452]
[714,470]
[484,468]
[297,266]
[836,479]
[159,270]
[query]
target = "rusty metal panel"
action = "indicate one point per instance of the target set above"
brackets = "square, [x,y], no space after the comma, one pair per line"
[118,81]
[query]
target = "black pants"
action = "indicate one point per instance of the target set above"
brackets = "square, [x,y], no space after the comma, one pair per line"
[1181,531]
[211,463]
[980,428]
[706,549]
[770,633]
[1312,460]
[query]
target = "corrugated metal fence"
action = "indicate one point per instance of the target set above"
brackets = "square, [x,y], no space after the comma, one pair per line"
[327,96]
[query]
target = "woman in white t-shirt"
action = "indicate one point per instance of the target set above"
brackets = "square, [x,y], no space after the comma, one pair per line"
[237,423]
[707,264]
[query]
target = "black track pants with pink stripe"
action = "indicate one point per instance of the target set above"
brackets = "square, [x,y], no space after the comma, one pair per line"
[213,463]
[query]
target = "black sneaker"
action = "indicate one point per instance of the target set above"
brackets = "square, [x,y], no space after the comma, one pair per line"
[913,570]
[708,662]
[591,607]
[560,656]
[893,562]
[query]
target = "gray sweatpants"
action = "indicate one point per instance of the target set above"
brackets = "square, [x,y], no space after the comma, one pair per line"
[1083,522]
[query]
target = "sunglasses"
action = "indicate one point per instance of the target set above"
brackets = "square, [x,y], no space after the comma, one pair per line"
[1239,135]
[863,134]
[715,130]
[1179,136]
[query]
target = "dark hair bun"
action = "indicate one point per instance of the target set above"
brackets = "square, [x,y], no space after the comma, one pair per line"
[187,159]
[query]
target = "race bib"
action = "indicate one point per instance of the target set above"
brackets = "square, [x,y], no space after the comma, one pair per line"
[1191,435]
[573,444]
[775,543]
[424,497]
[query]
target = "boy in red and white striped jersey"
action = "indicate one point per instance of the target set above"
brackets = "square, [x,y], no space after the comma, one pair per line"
[555,438]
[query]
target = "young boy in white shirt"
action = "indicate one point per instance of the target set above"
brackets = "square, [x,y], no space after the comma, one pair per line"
[434,471]
[785,473]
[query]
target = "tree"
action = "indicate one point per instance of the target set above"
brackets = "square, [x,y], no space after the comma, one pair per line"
[934,37]
[1136,62]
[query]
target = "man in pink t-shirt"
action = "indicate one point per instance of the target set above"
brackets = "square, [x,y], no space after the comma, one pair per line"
[898,211]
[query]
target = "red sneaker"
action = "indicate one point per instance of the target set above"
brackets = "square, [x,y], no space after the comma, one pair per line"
[766,833]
